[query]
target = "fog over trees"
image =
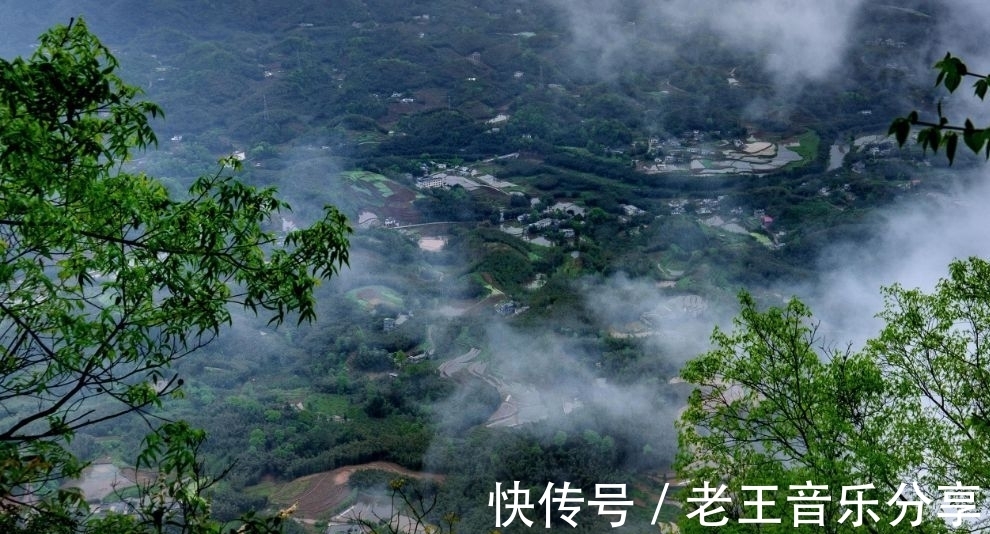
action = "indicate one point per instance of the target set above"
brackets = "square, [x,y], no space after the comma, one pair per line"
[668,245]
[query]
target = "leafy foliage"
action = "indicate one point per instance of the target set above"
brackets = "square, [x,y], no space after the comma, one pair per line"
[933,135]
[107,279]
[775,408]
[934,347]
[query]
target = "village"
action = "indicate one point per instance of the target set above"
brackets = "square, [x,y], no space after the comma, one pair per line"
[555,222]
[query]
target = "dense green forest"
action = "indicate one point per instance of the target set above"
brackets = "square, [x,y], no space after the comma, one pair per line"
[527,320]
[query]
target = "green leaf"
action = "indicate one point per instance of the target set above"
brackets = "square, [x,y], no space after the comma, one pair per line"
[951,140]
[981,86]
[952,81]
[900,129]
[951,71]
[923,138]
[974,139]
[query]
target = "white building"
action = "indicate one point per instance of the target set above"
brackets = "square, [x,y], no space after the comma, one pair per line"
[434,180]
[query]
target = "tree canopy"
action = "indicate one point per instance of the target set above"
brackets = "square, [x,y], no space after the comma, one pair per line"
[777,407]
[905,415]
[107,277]
[933,348]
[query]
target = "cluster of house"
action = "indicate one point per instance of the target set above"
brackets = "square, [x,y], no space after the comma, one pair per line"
[401,97]
[735,220]
[433,175]
[765,220]
[630,212]
[677,150]
[506,308]
[391,323]
[443,175]
[551,222]
[826,191]
[701,206]
[876,146]
[498,120]
[553,217]
[886,43]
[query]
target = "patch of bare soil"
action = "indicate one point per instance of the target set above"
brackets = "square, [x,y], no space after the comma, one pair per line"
[399,206]
[319,494]
[370,295]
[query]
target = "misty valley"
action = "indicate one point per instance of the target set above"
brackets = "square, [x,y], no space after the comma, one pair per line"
[579,241]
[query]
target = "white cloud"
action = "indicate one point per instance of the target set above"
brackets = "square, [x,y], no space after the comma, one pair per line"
[800,39]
